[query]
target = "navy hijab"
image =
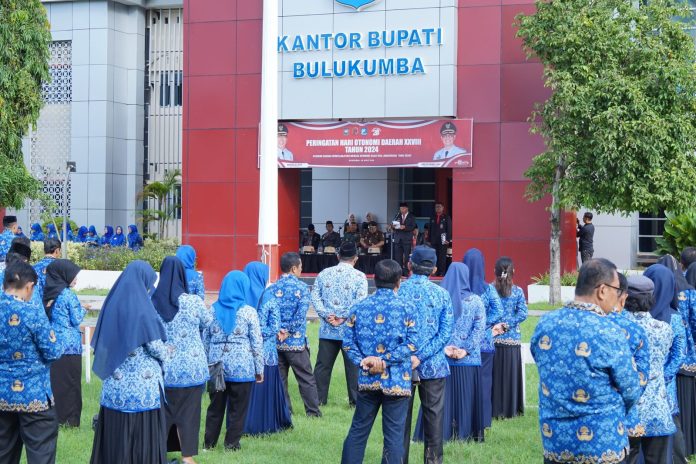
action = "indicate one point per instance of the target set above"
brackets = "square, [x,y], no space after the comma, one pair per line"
[52,231]
[106,238]
[233,295]
[691,275]
[681,285]
[456,282]
[172,284]
[257,272]
[133,236]
[477,274]
[37,234]
[127,319]
[663,279]
[82,234]
[187,255]
[118,238]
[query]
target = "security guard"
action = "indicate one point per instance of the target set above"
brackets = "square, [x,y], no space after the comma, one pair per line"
[448,132]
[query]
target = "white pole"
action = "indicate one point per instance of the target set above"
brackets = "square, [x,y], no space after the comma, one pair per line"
[268,140]
[88,354]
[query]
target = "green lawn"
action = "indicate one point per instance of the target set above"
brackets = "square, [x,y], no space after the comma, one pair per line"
[321,440]
[93,291]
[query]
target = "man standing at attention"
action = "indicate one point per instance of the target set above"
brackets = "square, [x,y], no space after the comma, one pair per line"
[587,381]
[402,228]
[9,233]
[335,290]
[381,337]
[440,236]
[585,234]
[435,321]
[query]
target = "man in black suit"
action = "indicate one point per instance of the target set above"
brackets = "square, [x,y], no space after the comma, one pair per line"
[311,238]
[440,236]
[403,236]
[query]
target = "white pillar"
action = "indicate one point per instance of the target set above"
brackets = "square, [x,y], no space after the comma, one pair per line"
[268,139]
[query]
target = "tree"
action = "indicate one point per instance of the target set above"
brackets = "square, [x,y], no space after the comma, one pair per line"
[619,127]
[160,192]
[24,39]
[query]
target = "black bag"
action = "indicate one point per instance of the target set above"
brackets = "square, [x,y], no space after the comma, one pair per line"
[217,377]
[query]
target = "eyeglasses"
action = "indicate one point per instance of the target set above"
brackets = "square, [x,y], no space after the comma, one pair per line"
[619,290]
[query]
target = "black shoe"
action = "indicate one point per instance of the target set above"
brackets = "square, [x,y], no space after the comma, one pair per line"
[233,447]
[314,415]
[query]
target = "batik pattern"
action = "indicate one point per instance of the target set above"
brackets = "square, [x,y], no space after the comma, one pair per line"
[514,314]
[469,331]
[67,315]
[292,298]
[335,290]
[494,314]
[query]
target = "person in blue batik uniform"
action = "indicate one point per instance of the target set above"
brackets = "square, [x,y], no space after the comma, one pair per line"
[686,381]
[106,236]
[52,251]
[291,296]
[268,407]
[587,382]
[129,352]
[462,412]
[28,344]
[494,313]
[8,234]
[81,236]
[381,336]
[187,255]
[92,238]
[134,240]
[65,311]
[435,320]
[651,437]
[37,234]
[335,290]
[234,338]
[52,233]
[184,317]
[508,391]
[118,239]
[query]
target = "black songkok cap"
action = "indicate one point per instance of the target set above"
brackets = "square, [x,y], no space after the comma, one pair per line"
[348,249]
[7,220]
[21,249]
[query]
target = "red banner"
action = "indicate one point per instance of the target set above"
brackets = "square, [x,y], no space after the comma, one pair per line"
[426,144]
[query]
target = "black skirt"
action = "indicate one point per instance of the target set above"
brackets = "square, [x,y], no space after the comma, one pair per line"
[487,387]
[183,413]
[508,397]
[686,396]
[130,438]
[66,383]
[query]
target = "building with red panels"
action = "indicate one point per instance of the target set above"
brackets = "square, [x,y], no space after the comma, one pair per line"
[473,69]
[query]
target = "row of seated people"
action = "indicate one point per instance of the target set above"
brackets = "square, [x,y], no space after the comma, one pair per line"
[371,239]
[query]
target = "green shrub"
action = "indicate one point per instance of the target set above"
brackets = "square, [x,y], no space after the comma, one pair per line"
[569,279]
[680,232]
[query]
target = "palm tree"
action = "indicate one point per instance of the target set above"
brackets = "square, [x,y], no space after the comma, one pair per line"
[160,191]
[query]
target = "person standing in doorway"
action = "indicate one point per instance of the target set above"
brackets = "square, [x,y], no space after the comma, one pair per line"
[402,228]
[440,236]
[585,234]
[335,291]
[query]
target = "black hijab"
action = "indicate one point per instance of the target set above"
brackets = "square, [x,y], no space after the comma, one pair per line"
[59,275]
[681,284]
[172,283]
[691,275]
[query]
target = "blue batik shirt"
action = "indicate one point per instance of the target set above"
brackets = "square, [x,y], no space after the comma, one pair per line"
[654,412]
[468,332]
[40,269]
[687,310]
[67,315]
[196,285]
[494,314]
[28,344]
[383,325]
[188,366]
[241,352]
[335,290]
[435,320]
[587,383]
[269,321]
[638,343]
[292,298]
[514,314]
[136,385]
[36,296]
[675,359]
[6,238]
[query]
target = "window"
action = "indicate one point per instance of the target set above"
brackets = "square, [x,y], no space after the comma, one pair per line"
[170,88]
[650,226]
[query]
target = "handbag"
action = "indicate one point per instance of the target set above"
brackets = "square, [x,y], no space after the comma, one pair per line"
[216,383]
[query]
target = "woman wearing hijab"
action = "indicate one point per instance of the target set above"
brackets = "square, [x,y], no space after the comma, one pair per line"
[135,241]
[37,234]
[187,255]
[684,301]
[649,297]
[81,236]
[52,232]
[106,237]
[118,239]
[234,338]
[494,313]
[129,351]
[463,418]
[92,238]
[268,410]
[66,313]
[508,396]
[184,317]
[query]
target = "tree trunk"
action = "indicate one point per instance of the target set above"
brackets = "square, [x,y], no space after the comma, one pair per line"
[555,243]
[160,222]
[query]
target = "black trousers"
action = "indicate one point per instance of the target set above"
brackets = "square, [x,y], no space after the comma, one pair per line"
[656,450]
[239,394]
[326,357]
[66,383]
[678,444]
[402,253]
[36,431]
[432,396]
[586,255]
[441,251]
[302,367]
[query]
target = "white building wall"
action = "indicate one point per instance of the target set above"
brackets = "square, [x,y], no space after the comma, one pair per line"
[616,238]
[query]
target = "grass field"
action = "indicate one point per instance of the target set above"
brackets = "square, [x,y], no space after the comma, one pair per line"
[320,440]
